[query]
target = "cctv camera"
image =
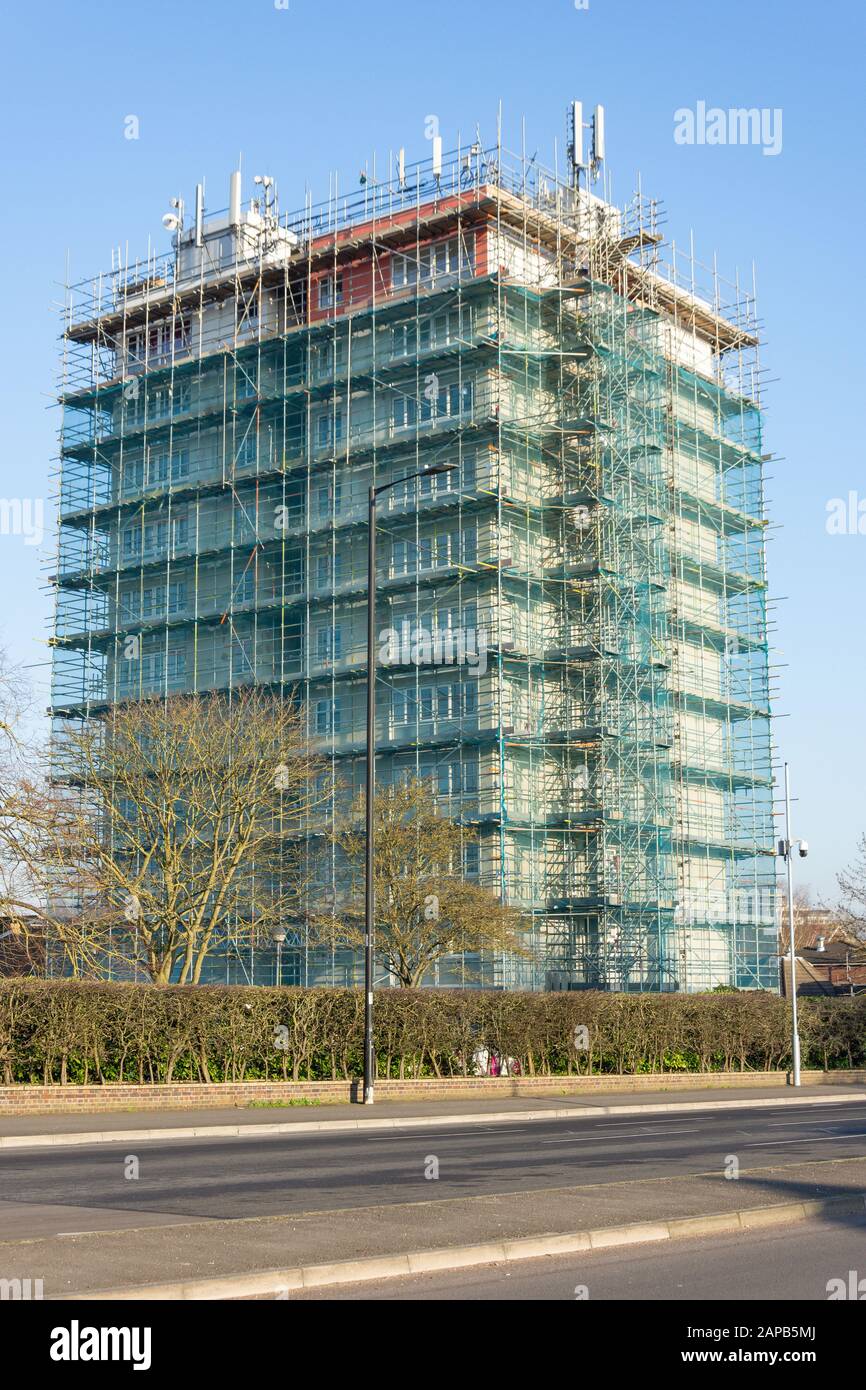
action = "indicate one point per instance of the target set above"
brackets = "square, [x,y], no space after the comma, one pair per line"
[804,848]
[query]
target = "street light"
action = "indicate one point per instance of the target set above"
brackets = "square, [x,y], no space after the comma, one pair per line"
[278,935]
[785,849]
[369,889]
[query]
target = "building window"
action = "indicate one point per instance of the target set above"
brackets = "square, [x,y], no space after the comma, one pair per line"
[456,778]
[328,497]
[454,400]
[432,331]
[161,465]
[176,663]
[133,475]
[156,601]
[403,272]
[329,429]
[439,261]
[245,588]
[156,666]
[436,403]
[405,412]
[329,644]
[152,666]
[156,345]
[152,538]
[403,706]
[158,468]
[248,313]
[400,557]
[179,532]
[429,704]
[331,291]
[467,253]
[247,450]
[329,358]
[163,402]
[441,550]
[329,569]
[403,340]
[461,478]
[329,717]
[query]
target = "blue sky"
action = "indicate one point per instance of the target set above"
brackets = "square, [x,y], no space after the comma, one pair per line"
[323,84]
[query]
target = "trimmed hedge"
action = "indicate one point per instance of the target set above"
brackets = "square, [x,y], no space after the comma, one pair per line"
[69,1033]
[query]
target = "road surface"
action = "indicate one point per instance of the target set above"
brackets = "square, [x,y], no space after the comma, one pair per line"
[107,1187]
[786,1263]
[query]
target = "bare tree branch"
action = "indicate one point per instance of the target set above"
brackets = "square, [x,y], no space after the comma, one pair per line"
[425,908]
[167,829]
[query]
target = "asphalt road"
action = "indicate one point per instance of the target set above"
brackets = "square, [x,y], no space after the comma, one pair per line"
[70,1190]
[785,1263]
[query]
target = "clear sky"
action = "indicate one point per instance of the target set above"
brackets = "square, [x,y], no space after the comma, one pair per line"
[312,86]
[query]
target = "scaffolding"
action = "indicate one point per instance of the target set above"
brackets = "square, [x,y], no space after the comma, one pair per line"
[573,619]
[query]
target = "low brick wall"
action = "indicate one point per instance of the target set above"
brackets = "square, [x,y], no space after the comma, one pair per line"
[58,1100]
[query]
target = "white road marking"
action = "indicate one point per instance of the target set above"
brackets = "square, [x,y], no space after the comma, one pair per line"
[809,1139]
[596,1138]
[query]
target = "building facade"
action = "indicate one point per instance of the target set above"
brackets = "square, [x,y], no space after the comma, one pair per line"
[572,619]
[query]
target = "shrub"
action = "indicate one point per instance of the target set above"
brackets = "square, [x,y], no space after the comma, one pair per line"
[66,1032]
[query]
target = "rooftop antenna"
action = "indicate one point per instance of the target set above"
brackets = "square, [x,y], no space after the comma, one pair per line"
[575,142]
[597,156]
[437,158]
[173,222]
[199,213]
[235,198]
[269,188]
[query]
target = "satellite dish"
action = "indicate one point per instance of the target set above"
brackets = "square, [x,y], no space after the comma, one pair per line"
[171,222]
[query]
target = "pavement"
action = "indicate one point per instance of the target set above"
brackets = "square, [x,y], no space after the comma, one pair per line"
[16,1130]
[211,1207]
[784,1264]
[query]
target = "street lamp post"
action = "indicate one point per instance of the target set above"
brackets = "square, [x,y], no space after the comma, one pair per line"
[278,935]
[369,887]
[785,849]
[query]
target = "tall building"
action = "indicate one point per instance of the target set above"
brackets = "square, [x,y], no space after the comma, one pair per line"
[573,618]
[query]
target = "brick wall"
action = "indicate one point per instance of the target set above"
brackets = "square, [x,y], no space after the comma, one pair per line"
[47,1100]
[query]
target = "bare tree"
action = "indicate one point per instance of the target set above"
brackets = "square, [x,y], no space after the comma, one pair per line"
[804,920]
[22,910]
[171,828]
[425,908]
[852,884]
